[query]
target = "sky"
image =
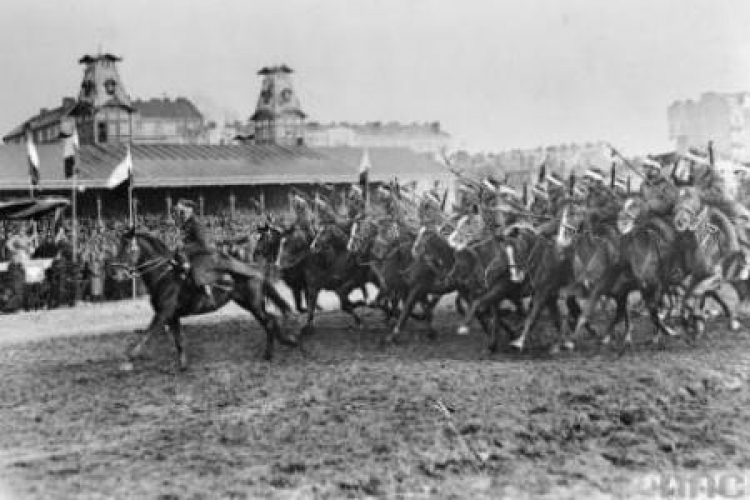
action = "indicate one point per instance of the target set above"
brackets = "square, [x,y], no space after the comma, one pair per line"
[496,74]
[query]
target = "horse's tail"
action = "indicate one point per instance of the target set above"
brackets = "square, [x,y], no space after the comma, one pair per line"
[271,293]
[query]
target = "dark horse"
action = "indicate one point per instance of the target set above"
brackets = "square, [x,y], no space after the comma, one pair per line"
[266,252]
[327,265]
[173,296]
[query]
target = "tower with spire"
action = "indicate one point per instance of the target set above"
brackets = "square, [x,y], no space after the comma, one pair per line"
[278,117]
[103,110]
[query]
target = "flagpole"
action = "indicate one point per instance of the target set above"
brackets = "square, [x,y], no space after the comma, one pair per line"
[74,201]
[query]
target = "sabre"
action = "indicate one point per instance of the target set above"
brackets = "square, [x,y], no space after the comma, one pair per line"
[628,164]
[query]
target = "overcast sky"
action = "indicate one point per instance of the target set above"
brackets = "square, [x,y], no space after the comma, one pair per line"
[497,74]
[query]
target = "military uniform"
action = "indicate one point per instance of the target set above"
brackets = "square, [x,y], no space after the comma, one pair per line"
[199,250]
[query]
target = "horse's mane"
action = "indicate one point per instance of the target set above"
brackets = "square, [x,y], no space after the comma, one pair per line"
[152,240]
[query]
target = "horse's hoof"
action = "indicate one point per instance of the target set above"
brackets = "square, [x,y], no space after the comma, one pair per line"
[267,356]
[555,349]
[606,340]
[307,330]
[126,366]
[569,345]
[462,330]
[735,324]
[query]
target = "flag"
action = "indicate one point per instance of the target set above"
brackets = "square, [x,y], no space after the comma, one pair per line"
[33,159]
[122,172]
[612,176]
[542,173]
[70,149]
[364,170]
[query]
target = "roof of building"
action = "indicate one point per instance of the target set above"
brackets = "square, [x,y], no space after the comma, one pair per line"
[389,128]
[172,165]
[180,108]
[43,118]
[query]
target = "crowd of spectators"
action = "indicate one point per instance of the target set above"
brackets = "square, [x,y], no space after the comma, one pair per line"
[90,276]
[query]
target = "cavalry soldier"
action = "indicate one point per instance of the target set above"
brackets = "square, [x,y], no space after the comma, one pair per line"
[695,169]
[205,263]
[355,202]
[197,246]
[657,190]
[326,214]
[600,201]
[429,211]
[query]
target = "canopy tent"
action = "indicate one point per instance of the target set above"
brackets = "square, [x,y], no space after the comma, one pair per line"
[31,208]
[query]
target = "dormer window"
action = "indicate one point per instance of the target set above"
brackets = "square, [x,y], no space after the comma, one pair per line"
[88,88]
[110,86]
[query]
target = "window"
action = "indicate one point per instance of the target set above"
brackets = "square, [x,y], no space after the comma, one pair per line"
[102,131]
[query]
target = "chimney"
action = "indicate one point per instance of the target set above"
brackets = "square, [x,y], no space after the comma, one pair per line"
[68,102]
[43,111]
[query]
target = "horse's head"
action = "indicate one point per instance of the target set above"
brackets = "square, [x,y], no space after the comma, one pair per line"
[293,247]
[459,238]
[464,265]
[387,234]
[329,237]
[687,208]
[361,235]
[570,221]
[631,211]
[129,253]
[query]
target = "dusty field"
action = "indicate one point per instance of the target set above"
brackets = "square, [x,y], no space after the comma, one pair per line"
[349,419]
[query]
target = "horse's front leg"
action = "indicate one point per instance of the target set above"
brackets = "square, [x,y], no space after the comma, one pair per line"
[415,294]
[175,328]
[158,324]
[311,296]
[346,305]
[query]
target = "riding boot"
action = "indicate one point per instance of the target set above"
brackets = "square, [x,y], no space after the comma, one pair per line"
[211,302]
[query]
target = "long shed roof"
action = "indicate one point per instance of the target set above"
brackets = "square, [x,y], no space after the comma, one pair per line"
[176,165]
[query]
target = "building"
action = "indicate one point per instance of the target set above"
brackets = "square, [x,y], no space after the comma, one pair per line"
[222,179]
[104,113]
[168,121]
[421,137]
[278,117]
[522,166]
[721,118]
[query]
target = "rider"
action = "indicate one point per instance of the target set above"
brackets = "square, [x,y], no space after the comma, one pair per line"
[695,169]
[429,212]
[355,202]
[198,248]
[656,189]
[600,201]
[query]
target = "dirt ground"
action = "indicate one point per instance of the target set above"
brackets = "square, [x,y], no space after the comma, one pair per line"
[424,419]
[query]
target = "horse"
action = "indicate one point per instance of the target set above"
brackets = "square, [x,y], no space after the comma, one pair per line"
[710,249]
[173,296]
[266,253]
[549,267]
[325,265]
[432,258]
[488,270]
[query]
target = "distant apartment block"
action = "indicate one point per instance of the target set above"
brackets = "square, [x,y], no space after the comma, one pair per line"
[721,118]
[420,137]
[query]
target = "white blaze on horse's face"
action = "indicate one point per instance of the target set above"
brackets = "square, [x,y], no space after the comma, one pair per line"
[626,220]
[352,236]
[282,244]
[562,236]
[454,240]
[418,240]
